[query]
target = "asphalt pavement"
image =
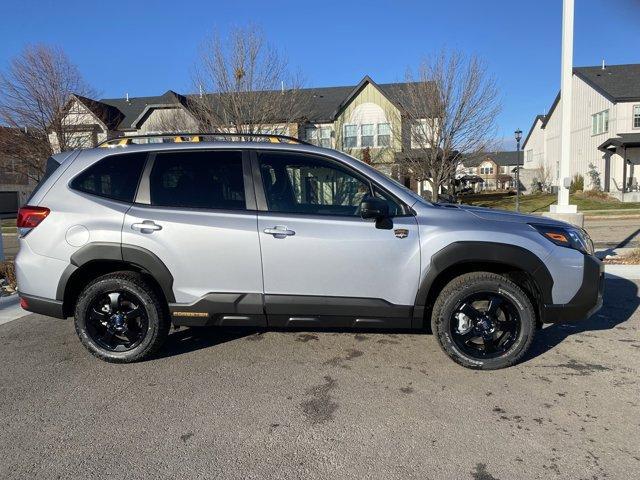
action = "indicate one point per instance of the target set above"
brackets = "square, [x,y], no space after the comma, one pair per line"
[244,404]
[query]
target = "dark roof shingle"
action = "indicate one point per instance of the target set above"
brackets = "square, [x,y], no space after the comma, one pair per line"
[621,83]
[321,104]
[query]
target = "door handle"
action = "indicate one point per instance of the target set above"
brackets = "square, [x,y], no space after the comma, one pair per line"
[147,226]
[279,231]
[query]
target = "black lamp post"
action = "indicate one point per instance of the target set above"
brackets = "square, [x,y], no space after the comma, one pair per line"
[518,134]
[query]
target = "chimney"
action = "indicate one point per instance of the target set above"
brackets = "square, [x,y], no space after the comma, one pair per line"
[127,97]
[603,65]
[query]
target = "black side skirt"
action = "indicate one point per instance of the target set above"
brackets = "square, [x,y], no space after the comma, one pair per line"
[291,311]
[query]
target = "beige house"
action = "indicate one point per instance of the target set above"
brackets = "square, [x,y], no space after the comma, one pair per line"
[493,171]
[605,130]
[364,120]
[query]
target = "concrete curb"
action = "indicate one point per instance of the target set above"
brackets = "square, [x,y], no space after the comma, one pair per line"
[629,272]
[10,309]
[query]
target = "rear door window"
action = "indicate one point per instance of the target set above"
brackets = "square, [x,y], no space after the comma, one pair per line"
[114,177]
[211,180]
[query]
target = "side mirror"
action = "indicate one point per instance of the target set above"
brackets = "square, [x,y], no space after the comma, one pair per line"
[372,207]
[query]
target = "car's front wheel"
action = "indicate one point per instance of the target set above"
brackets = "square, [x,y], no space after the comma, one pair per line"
[483,320]
[119,318]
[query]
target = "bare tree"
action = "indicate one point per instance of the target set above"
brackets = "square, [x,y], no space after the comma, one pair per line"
[34,94]
[449,110]
[251,87]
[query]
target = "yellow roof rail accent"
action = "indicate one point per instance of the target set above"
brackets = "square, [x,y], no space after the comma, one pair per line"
[116,142]
[199,137]
[190,138]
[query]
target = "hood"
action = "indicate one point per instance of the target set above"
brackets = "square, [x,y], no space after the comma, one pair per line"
[495,215]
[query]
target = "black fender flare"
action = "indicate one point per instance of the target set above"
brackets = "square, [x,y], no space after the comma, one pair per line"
[128,254]
[458,253]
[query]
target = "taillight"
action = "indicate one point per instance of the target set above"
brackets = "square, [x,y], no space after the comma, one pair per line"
[30,217]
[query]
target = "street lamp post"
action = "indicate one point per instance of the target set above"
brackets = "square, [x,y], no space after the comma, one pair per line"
[518,134]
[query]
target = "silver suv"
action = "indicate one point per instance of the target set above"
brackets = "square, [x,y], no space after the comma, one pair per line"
[198,232]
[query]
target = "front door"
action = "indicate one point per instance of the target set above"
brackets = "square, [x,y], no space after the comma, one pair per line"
[322,263]
[196,213]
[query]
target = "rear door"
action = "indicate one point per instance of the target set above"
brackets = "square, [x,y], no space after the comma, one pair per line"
[322,263]
[195,210]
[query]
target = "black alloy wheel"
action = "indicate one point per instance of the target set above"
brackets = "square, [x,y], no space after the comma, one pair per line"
[117,321]
[485,325]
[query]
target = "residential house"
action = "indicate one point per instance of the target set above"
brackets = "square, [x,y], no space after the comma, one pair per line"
[17,178]
[605,131]
[491,171]
[357,118]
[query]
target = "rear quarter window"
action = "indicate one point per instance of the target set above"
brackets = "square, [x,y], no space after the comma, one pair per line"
[114,177]
[50,167]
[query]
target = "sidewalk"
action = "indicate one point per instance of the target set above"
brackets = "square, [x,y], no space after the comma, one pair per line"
[10,309]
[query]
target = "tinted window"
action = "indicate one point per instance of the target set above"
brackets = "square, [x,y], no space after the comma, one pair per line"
[304,184]
[198,180]
[113,177]
[395,209]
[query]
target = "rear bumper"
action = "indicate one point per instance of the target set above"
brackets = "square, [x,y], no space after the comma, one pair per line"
[586,301]
[42,306]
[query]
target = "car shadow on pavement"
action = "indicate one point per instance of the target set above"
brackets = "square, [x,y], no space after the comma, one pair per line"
[190,339]
[621,300]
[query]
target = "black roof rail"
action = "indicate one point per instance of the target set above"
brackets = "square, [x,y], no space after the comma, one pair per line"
[201,137]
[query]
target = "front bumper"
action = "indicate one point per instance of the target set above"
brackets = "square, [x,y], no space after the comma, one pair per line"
[586,301]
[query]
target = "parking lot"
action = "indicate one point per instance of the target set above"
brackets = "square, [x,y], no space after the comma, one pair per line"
[253,404]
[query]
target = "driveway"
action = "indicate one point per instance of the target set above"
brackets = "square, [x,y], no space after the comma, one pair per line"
[247,404]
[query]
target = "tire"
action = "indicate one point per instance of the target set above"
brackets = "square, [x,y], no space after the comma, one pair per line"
[149,323]
[508,328]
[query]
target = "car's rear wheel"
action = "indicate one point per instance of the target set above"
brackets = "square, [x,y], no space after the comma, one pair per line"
[119,318]
[483,320]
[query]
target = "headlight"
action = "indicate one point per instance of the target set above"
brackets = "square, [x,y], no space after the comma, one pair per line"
[570,237]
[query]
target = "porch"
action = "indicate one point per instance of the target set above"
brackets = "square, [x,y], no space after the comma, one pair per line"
[624,149]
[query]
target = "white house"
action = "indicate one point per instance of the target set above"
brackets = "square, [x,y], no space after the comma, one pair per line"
[605,130]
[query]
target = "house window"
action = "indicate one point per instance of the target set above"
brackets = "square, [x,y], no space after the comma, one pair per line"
[384,134]
[325,137]
[418,134]
[367,133]
[486,170]
[529,157]
[350,136]
[600,122]
[311,135]
[636,116]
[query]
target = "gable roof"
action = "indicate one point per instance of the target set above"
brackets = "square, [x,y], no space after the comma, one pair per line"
[133,108]
[391,91]
[107,114]
[619,83]
[533,125]
[321,104]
